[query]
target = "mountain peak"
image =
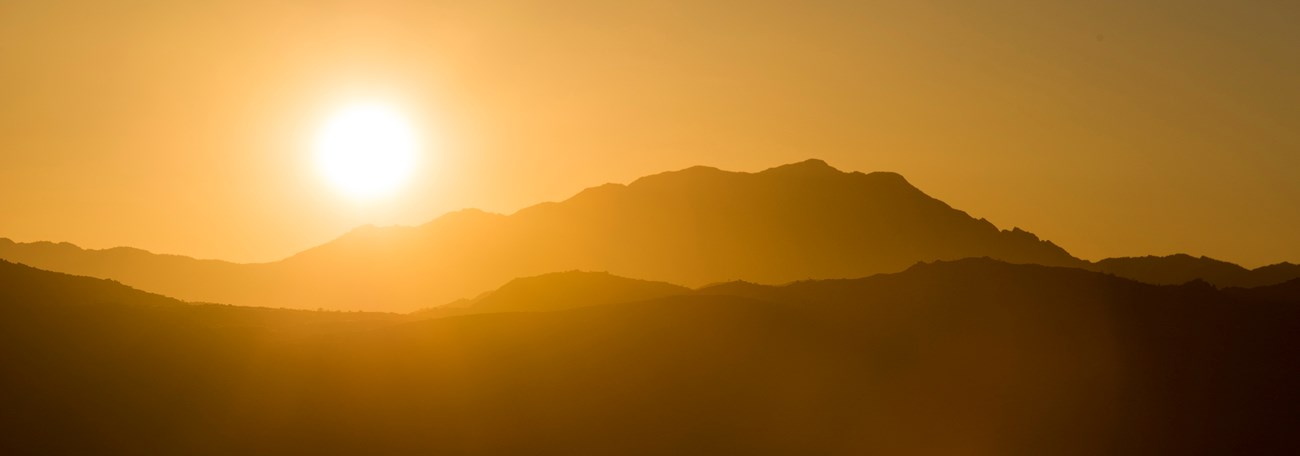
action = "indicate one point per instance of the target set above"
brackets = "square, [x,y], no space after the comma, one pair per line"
[812,165]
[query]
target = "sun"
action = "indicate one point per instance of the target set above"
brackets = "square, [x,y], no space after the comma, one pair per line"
[366,150]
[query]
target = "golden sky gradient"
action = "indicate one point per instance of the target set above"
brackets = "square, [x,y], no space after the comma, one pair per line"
[1113,128]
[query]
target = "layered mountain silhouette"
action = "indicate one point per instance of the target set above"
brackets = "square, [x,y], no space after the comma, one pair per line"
[1178,269]
[967,357]
[691,227]
[171,275]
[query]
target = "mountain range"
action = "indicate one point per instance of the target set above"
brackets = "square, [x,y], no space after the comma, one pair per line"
[691,227]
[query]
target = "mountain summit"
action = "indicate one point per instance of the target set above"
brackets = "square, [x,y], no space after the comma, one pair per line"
[694,226]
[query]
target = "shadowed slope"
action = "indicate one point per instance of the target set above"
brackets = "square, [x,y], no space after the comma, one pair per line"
[973,357]
[1286,292]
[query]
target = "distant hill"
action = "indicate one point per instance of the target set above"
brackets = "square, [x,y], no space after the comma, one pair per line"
[691,227]
[27,291]
[1177,269]
[171,275]
[967,357]
[560,290]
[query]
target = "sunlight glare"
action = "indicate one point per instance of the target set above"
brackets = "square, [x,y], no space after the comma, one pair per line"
[367,150]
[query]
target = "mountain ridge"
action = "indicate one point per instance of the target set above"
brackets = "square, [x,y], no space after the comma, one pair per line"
[1181,268]
[695,226]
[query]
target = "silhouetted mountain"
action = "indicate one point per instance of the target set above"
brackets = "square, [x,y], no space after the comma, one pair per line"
[1177,269]
[695,226]
[967,357]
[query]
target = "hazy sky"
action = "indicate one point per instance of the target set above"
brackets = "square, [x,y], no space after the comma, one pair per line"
[1110,127]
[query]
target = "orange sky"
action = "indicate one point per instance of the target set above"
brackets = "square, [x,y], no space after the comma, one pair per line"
[1109,127]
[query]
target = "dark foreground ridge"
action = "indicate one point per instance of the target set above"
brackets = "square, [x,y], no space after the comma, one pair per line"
[968,357]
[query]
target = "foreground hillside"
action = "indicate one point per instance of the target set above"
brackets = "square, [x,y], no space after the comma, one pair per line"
[971,357]
[691,227]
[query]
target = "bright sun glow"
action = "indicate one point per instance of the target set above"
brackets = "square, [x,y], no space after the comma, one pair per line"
[366,150]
